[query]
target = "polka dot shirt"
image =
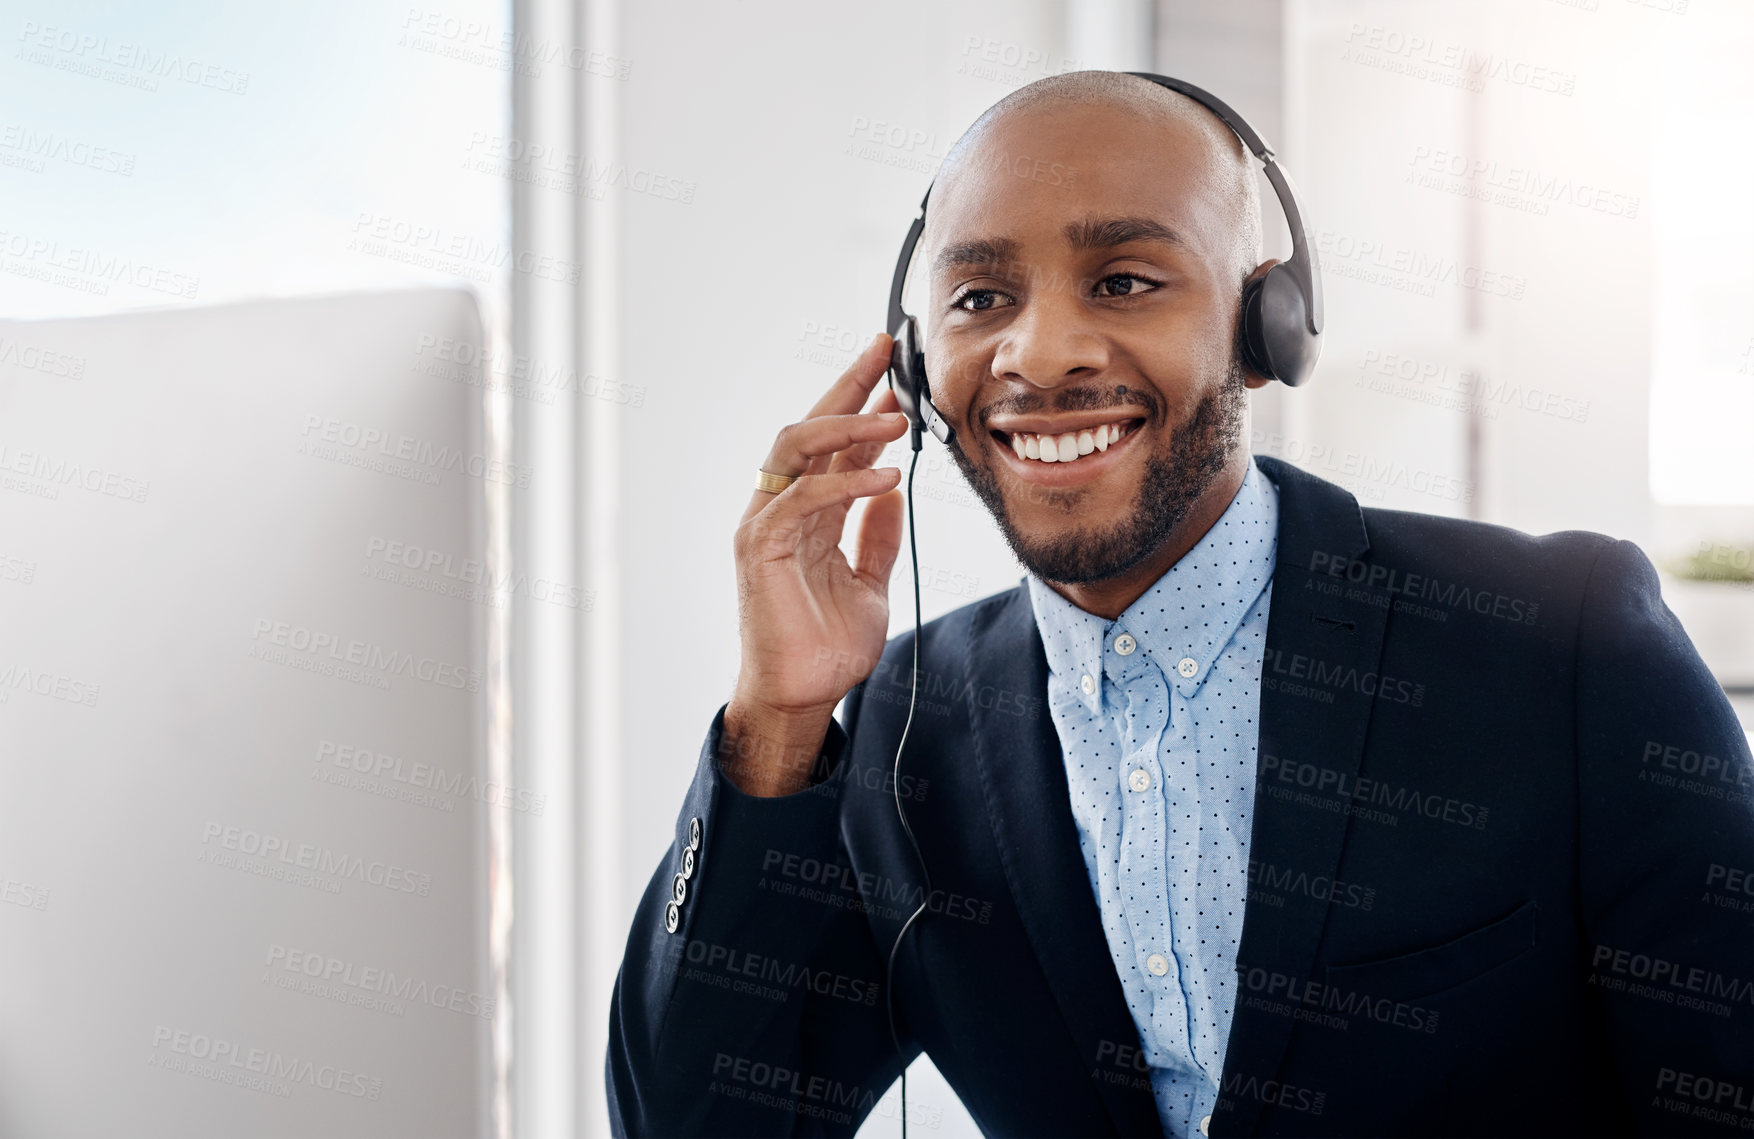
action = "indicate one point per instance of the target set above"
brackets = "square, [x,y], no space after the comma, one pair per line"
[1158,714]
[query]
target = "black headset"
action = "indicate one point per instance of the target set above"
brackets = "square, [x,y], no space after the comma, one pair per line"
[1281,311]
[1281,338]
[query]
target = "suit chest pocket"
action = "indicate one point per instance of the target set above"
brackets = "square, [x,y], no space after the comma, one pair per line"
[1423,972]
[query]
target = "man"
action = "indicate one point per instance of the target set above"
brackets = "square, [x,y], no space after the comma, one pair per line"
[1249,812]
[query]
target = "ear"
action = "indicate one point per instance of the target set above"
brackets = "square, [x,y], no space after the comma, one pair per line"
[1251,378]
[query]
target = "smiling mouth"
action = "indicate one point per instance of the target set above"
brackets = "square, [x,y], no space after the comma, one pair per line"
[1068,446]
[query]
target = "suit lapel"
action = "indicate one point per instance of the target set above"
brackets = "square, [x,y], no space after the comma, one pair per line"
[1023,779]
[1317,679]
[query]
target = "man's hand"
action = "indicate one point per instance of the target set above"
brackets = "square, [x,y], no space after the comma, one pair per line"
[812,624]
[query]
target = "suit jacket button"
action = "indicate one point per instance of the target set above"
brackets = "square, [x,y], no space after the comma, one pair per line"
[678,890]
[672,917]
[688,862]
[1205,1123]
[694,833]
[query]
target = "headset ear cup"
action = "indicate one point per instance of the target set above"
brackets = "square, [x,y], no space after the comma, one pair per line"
[907,372]
[902,382]
[1253,335]
[1288,346]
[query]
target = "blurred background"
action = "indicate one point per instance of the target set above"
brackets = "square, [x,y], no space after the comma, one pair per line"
[429,347]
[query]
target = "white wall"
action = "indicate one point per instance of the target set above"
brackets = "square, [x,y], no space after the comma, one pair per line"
[1533,151]
[1562,300]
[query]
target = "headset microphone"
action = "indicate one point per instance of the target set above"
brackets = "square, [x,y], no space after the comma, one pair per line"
[1281,338]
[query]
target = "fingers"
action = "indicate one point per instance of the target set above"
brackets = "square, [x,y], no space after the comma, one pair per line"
[773,532]
[848,394]
[879,538]
[798,444]
[865,454]
[827,525]
[823,435]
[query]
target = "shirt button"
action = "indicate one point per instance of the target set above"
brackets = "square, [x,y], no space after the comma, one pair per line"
[1088,684]
[1139,780]
[1157,963]
[1187,666]
[1125,644]
[1205,1122]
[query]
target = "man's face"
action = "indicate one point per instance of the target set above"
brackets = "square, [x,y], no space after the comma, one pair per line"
[1108,305]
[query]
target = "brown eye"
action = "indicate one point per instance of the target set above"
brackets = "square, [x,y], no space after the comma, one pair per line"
[983,300]
[1123,285]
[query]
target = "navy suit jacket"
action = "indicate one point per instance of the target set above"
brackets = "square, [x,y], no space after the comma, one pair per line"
[1499,881]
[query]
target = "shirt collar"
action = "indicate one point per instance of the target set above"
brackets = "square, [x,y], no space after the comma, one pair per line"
[1227,568]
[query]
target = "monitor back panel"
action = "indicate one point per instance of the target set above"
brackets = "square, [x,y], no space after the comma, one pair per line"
[243,793]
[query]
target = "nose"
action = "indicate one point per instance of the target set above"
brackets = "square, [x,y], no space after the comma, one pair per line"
[1051,340]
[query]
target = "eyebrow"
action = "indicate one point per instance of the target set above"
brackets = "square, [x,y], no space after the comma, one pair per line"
[981,251]
[1103,233]
[1091,233]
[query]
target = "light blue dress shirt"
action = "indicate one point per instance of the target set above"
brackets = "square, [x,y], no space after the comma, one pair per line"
[1158,714]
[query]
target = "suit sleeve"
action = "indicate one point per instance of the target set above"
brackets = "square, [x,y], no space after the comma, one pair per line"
[1666,854]
[765,1012]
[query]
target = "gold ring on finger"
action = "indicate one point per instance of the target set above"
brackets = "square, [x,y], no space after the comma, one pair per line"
[771,483]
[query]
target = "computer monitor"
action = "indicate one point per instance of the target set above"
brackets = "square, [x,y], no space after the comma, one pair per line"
[244,799]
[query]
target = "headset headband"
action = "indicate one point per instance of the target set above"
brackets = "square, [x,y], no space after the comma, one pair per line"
[1302,265]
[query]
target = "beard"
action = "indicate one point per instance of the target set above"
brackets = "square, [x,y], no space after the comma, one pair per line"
[1176,476]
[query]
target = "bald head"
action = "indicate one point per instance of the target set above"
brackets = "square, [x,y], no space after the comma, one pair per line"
[1162,120]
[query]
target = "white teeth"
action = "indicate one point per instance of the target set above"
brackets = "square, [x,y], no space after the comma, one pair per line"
[1067,446]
